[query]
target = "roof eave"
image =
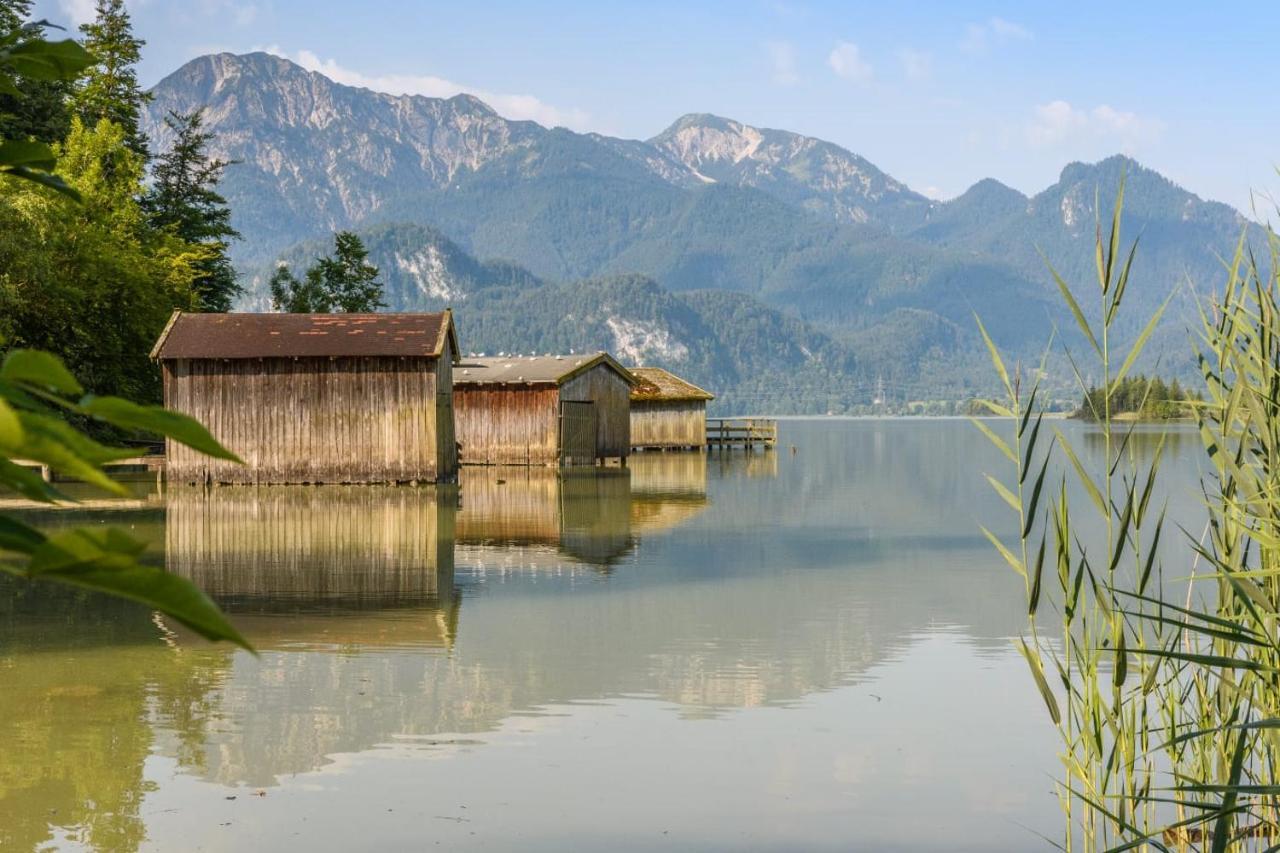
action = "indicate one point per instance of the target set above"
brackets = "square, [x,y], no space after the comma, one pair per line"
[164,334]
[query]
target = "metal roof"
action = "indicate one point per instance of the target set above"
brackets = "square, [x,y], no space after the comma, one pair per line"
[658,384]
[237,336]
[532,369]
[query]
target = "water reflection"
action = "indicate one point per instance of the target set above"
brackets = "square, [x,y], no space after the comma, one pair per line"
[534,517]
[400,625]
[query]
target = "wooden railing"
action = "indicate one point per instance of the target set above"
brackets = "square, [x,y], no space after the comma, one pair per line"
[747,433]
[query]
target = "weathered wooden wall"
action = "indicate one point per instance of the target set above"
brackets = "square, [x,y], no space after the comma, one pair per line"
[612,398]
[668,423]
[584,514]
[254,547]
[314,420]
[446,431]
[507,424]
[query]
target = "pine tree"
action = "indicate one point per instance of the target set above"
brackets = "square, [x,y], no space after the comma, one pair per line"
[351,279]
[111,90]
[342,282]
[294,296]
[39,109]
[184,199]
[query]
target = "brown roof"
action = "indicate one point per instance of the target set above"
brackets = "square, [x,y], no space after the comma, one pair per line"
[532,369]
[658,384]
[304,335]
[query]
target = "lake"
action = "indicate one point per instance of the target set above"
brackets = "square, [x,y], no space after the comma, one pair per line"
[801,649]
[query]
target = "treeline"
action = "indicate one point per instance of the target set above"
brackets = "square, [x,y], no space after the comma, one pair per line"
[1147,398]
[95,281]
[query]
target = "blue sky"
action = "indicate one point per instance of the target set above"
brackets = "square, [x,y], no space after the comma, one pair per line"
[939,95]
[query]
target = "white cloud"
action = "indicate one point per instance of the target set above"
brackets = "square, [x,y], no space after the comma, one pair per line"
[994,31]
[514,106]
[782,55]
[1058,123]
[916,64]
[847,62]
[79,11]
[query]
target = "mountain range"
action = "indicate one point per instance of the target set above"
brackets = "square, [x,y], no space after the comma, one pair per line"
[783,270]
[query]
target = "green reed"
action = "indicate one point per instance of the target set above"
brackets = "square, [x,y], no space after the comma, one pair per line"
[1167,702]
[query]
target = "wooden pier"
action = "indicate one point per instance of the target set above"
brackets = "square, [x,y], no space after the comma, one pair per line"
[150,463]
[747,433]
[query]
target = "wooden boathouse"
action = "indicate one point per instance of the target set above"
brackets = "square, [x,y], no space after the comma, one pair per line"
[313,398]
[542,410]
[667,412]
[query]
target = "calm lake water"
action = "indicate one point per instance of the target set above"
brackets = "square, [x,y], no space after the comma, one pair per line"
[791,650]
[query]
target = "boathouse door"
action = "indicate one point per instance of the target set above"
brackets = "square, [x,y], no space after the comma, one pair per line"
[577,432]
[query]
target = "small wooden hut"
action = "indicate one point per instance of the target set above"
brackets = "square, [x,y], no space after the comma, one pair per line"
[313,398]
[542,410]
[666,411]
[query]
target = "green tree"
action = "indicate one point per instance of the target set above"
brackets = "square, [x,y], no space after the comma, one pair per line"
[184,199]
[92,282]
[110,90]
[37,109]
[38,395]
[342,282]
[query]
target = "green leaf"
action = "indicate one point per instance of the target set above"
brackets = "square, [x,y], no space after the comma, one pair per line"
[1073,305]
[59,446]
[1089,485]
[1000,443]
[45,179]
[1121,669]
[1013,561]
[106,561]
[1136,349]
[1037,672]
[27,482]
[1033,598]
[16,536]
[156,419]
[11,434]
[38,59]
[34,155]
[40,369]
[1003,491]
[1035,498]
[996,360]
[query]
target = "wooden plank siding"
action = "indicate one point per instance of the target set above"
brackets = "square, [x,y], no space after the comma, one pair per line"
[363,419]
[611,394]
[513,423]
[507,424]
[668,423]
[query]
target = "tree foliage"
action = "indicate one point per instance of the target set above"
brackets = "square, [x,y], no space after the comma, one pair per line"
[344,282]
[184,200]
[56,250]
[110,90]
[93,282]
[1148,398]
[38,109]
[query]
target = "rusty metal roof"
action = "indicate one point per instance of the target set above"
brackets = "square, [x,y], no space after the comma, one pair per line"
[237,336]
[658,384]
[532,369]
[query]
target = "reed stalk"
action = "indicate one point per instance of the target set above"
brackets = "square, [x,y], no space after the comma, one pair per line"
[1167,702]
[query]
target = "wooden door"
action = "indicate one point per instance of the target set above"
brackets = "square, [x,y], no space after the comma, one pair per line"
[577,433]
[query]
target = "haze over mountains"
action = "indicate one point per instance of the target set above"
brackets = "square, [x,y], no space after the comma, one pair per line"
[786,271]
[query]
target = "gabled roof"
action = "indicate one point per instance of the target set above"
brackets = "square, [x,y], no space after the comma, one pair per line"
[658,384]
[532,369]
[236,336]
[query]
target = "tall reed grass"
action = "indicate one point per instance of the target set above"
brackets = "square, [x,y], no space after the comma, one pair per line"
[1166,695]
